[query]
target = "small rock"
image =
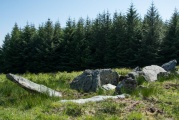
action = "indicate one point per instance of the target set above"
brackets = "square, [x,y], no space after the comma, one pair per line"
[135,75]
[137,69]
[108,87]
[127,85]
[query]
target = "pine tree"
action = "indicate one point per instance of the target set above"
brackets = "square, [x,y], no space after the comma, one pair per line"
[11,49]
[116,44]
[5,51]
[1,60]
[80,46]
[45,46]
[169,46]
[67,57]
[133,37]
[101,35]
[28,51]
[152,35]
[94,43]
[57,47]
[87,52]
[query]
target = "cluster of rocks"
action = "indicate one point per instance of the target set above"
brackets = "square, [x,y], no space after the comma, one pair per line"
[92,80]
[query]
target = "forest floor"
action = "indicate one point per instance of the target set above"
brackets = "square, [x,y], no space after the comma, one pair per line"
[150,101]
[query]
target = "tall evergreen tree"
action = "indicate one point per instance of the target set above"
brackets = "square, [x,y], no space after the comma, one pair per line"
[116,44]
[57,47]
[80,44]
[152,36]
[133,37]
[27,54]
[45,46]
[169,47]
[11,49]
[67,57]
[1,60]
[101,34]
[87,51]
[58,35]
[5,49]
[95,61]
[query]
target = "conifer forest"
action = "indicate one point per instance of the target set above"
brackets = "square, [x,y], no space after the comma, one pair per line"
[111,40]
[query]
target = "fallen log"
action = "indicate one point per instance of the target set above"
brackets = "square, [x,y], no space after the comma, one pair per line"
[94,99]
[31,86]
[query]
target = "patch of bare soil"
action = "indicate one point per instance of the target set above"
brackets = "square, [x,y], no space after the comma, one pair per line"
[129,104]
[171,85]
[155,110]
[146,106]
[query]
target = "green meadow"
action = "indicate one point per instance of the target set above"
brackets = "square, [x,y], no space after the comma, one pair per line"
[150,101]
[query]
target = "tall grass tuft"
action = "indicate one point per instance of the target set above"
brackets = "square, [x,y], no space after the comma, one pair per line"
[73,109]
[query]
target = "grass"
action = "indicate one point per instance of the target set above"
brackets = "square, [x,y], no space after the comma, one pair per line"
[154,100]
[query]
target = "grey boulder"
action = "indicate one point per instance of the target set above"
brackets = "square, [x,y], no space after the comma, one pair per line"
[169,66]
[91,80]
[31,86]
[126,85]
[150,72]
[137,69]
[135,73]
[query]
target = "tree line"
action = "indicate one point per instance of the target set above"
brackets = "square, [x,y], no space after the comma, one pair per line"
[108,41]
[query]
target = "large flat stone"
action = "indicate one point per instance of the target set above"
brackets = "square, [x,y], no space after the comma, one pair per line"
[31,86]
[94,99]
